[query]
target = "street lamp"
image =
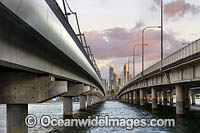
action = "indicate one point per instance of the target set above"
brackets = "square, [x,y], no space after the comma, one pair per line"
[134,57]
[128,65]
[143,44]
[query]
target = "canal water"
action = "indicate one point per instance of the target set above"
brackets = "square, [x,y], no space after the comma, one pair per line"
[191,123]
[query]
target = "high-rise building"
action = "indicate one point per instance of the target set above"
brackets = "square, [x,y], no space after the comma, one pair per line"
[126,73]
[111,77]
[120,82]
[116,78]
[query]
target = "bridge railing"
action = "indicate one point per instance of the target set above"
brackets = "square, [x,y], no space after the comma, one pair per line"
[182,53]
[63,18]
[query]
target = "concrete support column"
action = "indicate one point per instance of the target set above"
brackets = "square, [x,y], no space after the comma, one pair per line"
[67,107]
[154,98]
[171,97]
[193,98]
[168,97]
[127,97]
[131,97]
[16,114]
[141,97]
[180,100]
[164,97]
[89,101]
[134,95]
[187,99]
[145,97]
[159,97]
[83,103]
[137,97]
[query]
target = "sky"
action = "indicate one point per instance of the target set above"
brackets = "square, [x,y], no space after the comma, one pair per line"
[113,27]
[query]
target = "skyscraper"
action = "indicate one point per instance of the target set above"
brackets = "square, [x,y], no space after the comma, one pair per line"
[126,73]
[111,77]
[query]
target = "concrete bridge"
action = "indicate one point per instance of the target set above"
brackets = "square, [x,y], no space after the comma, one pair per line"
[177,73]
[41,58]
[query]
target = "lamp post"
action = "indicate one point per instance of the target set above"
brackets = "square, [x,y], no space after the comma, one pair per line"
[143,44]
[161,37]
[128,65]
[134,57]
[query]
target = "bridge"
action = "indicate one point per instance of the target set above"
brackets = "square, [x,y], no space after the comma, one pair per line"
[41,58]
[177,73]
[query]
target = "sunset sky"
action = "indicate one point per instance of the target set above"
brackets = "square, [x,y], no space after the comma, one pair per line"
[112,27]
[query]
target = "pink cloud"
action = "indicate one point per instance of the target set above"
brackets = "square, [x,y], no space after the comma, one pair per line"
[178,8]
[174,7]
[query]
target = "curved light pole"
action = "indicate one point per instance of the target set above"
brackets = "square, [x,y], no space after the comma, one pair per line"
[128,65]
[143,44]
[134,57]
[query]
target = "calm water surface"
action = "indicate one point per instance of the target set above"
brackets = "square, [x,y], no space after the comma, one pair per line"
[191,123]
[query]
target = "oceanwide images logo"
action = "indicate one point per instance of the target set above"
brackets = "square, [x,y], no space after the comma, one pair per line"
[130,123]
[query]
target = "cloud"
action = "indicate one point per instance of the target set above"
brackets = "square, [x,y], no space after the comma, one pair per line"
[177,8]
[118,42]
[113,46]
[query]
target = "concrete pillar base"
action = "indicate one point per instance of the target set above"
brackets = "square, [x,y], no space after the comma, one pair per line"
[193,98]
[141,97]
[89,101]
[187,100]
[171,98]
[180,109]
[180,100]
[154,98]
[164,98]
[67,107]
[16,114]
[83,103]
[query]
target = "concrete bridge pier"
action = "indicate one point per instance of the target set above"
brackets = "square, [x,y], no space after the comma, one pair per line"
[187,99]
[16,114]
[193,98]
[180,100]
[83,105]
[164,97]
[141,97]
[136,97]
[154,98]
[145,97]
[171,97]
[89,101]
[67,107]
[127,97]
[131,97]
[159,97]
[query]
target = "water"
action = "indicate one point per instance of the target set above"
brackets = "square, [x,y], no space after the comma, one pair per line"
[114,110]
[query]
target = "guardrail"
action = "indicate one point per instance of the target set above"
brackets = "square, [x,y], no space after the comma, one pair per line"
[182,53]
[83,46]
